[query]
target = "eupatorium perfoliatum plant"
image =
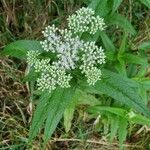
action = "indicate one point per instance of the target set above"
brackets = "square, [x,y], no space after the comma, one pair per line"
[67,64]
[71,52]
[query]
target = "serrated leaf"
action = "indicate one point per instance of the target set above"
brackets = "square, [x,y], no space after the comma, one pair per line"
[19,48]
[40,115]
[60,99]
[119,88]
[121,21]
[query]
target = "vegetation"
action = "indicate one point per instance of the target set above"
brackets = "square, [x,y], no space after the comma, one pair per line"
[109,113]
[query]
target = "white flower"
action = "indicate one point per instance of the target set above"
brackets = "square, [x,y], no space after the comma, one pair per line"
[85,21]
[93,74]
[64,45]
[46,82]
[70,52]
[92,57]
[63,79]
[32,57]
[52,39]
[42,65]
[55,76]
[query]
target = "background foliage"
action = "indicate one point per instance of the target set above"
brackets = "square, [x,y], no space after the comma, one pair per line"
[127,52]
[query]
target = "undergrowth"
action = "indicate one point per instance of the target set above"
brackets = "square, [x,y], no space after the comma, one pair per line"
[82,127]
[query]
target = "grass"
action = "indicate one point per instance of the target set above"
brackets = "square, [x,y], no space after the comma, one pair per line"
[24,20]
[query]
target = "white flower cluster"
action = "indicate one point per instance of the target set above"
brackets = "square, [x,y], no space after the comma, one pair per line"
[85,21]
[91,58]
[71,52]
[62,43]
[32,57]
[55,76]
[51,75]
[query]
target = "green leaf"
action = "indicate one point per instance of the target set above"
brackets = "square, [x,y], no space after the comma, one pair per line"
[139,119]
[134,59]
[94,4]
[123,45]
[116,117]
[40,115]
[145,2]
[19,48]
[122,132]
[109,46]
[113,110]
[116,4]
[145,46]
[119,88]
[85,99]
[121,66]
[59,101]
[31,76]
[113,126]
[145,82]
[122,22]
[68,116]
[107,42]
[131,70]
[143,93]
[86,36]
[100,6]
[80,97]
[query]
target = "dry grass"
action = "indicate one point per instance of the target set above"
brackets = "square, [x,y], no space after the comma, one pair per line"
[13,103]
[26,19]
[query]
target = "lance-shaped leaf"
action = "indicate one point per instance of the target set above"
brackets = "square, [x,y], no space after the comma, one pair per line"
[119,88]
[59,101]
[40,115]
[121,21]
[19,48]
